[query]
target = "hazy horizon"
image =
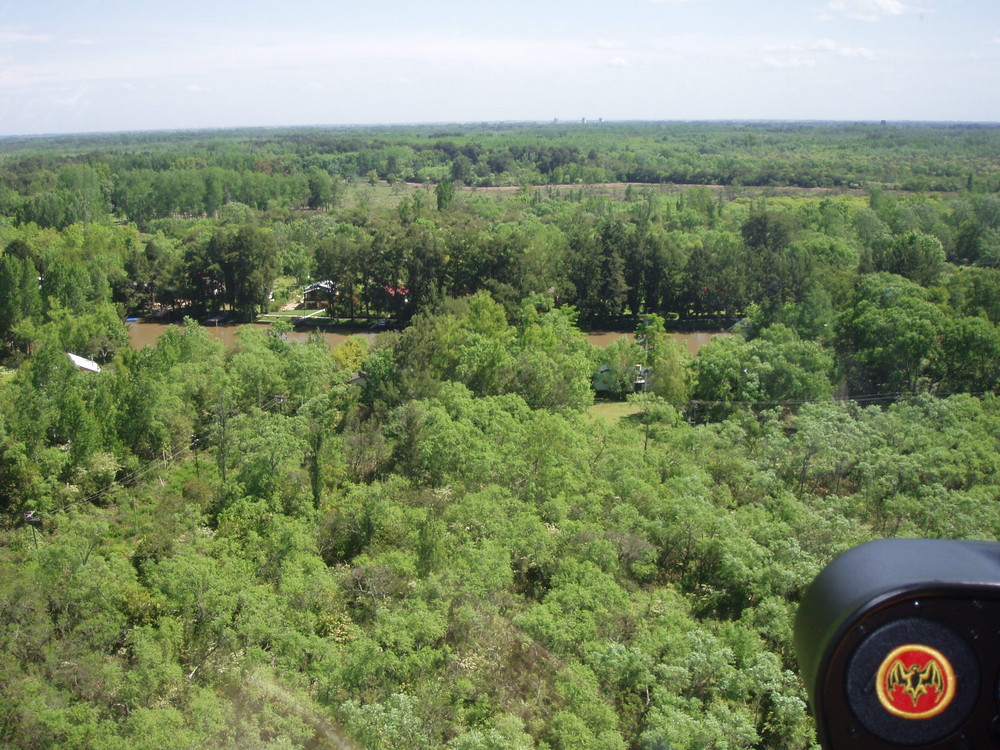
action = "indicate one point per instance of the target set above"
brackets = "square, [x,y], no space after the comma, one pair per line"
[492,124]
[96,68]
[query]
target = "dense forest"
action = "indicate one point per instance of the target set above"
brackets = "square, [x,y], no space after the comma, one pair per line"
[436,536]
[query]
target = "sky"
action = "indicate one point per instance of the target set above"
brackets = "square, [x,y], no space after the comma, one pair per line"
[68,66]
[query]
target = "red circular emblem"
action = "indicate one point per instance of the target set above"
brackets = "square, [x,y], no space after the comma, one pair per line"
[915,682]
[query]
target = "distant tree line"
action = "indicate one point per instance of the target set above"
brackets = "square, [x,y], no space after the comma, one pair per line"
[142,178]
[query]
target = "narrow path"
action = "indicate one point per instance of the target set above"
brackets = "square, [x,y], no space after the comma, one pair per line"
[314,312]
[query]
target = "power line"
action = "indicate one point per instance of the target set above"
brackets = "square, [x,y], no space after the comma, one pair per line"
[150,465]
[870,398]
[863,398]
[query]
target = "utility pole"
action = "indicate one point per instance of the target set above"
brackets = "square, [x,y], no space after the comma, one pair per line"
[33,520]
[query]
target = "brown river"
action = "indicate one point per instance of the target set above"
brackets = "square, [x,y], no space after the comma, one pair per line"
[146,334]
[692,340]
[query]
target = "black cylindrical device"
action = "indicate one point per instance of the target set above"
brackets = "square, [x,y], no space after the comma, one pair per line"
[898,642]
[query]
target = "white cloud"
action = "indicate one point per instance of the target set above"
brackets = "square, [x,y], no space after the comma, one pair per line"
[619,62]
[788,62]
[873,10]
[828,45]
[71,99]
[810,54]
[213,53]
[14,36]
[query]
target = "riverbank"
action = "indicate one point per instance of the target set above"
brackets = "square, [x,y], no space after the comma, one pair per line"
[146,333]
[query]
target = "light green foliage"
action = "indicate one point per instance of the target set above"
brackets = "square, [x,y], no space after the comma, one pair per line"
[668,362]
[545,359]
[687,725]
[97,334]
[776,368]
[621,358]
[268,452]
[552,369]
[507,734]
[351,354]
[498,440]
[583,605]
[257,369]
[656,414]
[240,550]
[586,721]
[386,725]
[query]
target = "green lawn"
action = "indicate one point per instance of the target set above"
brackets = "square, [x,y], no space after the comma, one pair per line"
[285,314]
[612,412]
[292,315]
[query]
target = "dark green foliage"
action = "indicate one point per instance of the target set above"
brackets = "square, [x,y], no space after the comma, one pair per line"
[889,336]
[20,299]
[915,255]
[445,194]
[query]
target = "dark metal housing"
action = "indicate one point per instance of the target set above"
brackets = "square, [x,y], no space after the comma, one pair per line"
[938,595]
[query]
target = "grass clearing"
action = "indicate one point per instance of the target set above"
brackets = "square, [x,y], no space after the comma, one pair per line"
[285,314]
[612,412]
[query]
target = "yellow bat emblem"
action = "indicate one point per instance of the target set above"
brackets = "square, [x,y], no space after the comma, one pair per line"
[916,679]
[906,677]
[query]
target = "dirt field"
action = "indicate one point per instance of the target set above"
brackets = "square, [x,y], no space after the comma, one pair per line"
[617,189]
[384,195]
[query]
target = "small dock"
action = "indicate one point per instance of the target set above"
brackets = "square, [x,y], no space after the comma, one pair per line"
[310,315]
[295,319]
